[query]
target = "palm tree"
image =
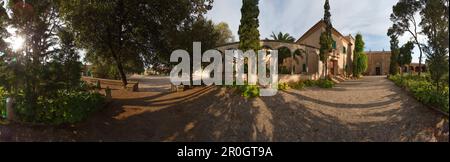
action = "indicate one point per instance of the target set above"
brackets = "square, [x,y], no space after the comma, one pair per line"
[286,37]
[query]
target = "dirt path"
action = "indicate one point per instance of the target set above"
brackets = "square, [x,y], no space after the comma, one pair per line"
[371,109]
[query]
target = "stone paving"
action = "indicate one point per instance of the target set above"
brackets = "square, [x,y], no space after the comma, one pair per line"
[370,109]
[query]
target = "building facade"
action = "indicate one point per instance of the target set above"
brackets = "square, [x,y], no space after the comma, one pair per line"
[305,61]
[341,58]
[379,63]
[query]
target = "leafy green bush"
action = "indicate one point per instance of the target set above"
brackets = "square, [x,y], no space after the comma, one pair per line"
[2,103]
[283,86]
[423,90]
[310,83]
[284,70]
[325,83]
[249,91]
[297,85]
[68,107]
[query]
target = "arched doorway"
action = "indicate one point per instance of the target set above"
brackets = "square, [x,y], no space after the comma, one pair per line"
[301,61]
[284,60]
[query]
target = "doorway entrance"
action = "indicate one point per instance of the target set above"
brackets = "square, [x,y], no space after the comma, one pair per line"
[332,67]
[378,71]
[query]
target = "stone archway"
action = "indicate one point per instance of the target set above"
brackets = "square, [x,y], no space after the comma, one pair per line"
[306,51]
[304,59]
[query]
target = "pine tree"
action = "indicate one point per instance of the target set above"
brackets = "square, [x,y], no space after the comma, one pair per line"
[248,30]
[435,26]
[405,21]
[405,55]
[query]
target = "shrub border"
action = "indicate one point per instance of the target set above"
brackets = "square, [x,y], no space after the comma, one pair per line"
[409,93]
[105,104]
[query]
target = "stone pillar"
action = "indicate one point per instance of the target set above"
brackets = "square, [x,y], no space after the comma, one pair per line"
[10,109]
[108,94]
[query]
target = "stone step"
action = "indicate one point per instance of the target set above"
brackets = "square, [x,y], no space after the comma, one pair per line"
[333,79]
[340,78]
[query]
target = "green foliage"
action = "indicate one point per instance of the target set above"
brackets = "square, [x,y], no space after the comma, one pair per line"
[3,32]
[225,34]
[249,91]
[435,27]
[359,43]
[310,83]
[199,30]
[363,63]
[325,83]
[361,60]
[131,32]
[297,85]
[405,54]
[66,108]
[67,59]
[283,86]
[322,83]
[283,52]
[326,39]
[393,66]
[404,21]
[327,18]
[105,67]
[248,29]
[283,37]
[31,72]
[2,103]
[325,47]
[424,91]
[283,69]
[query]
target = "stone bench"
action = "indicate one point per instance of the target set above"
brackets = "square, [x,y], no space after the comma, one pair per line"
[176,88]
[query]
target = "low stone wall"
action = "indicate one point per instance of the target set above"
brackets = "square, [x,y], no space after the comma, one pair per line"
[132,86]
[287,78]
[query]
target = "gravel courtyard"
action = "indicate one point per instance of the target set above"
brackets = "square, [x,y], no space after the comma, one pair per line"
[371,109]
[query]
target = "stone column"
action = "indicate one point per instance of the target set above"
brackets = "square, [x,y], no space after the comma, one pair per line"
[10,109]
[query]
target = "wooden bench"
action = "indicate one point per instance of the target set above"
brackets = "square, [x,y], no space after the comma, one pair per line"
[132,86]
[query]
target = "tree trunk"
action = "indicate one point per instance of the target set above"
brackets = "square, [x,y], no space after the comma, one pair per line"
[420,57]
[326,69]
[122,74]
[123,77]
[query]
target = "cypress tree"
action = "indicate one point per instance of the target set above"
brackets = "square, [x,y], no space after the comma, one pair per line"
[393,67]
[326,39]
[359,56]
[248,30]
[327,19]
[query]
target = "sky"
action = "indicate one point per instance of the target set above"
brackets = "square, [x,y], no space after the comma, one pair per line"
[368,17]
